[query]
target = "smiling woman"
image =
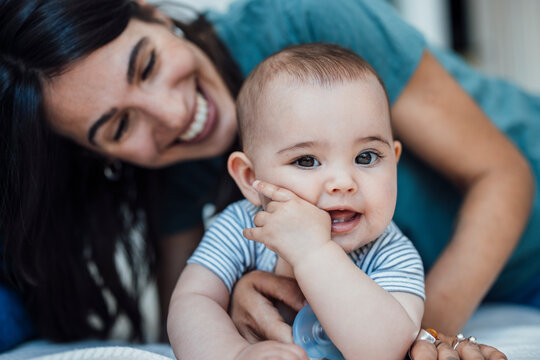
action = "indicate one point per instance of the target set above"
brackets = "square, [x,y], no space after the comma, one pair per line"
[112,84]
[164,101]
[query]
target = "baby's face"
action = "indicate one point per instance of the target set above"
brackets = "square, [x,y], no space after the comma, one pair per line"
[334,148]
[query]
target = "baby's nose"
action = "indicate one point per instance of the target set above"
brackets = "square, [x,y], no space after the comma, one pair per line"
[341,183]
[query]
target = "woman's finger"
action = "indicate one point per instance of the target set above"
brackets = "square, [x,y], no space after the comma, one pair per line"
[423,350]
[491,353]
[248,334]
[446,352]
[469,350]
[254,314]
[277,329]
[272,191]
[454,348]
[282,288]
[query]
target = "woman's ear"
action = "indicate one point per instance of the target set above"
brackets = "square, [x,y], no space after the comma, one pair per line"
[241,170]
[397,149]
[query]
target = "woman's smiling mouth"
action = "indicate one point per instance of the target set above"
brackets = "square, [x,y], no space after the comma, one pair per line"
[200,119]
[203,121]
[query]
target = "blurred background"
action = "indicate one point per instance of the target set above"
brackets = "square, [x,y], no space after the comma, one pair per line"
[501,37]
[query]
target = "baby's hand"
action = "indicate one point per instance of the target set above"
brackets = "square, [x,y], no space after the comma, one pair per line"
[289,225]
[272,350]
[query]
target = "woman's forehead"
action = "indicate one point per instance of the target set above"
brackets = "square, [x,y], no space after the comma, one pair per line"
[83,91]
[74,99]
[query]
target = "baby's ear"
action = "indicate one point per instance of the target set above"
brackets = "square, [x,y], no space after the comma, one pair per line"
[241,170]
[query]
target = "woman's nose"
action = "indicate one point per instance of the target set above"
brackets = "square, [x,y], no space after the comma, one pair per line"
[341,182]
[167,114]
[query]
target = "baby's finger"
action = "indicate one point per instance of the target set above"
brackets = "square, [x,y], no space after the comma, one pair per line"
[272,191]
[261,218]
[254,233]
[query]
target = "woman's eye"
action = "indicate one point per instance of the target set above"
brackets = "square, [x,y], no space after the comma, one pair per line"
[366,158]
[307,162]
[122,127]
[149,66]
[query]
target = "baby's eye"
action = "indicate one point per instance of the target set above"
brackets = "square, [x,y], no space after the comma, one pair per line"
[366,158]
[306,162]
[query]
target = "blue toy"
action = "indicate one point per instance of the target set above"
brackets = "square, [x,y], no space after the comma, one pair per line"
[309,334]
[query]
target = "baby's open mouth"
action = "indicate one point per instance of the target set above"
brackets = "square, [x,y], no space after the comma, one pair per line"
[344,220]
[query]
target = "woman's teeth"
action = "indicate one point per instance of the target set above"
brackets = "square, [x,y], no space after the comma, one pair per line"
[201,116]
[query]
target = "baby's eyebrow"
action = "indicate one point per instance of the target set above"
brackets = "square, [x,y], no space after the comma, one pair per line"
[373,138]
[301,145]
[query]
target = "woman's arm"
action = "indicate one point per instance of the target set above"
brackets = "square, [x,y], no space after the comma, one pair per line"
[437,121]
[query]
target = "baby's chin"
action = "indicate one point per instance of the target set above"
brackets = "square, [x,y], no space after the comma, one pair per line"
[353,241]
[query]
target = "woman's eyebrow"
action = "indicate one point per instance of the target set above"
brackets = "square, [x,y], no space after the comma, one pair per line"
[98,123]
[130,75]
[133,59]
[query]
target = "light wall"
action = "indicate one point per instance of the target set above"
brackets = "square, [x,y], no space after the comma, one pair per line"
[503,34]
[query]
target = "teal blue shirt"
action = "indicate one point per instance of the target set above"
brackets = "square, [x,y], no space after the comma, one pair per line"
[427,204]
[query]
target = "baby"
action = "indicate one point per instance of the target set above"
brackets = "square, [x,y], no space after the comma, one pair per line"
[318,171]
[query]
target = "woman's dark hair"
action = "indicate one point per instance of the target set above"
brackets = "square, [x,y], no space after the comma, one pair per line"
[62,222]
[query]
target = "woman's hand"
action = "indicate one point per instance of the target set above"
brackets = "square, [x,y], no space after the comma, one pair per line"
[252,309]
[443,349]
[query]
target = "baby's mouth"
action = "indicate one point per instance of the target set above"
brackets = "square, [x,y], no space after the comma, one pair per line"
[344,220]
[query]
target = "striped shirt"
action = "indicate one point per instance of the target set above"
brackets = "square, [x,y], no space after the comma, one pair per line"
[390,260]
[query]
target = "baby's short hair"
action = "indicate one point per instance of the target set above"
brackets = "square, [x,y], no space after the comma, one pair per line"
[317,64]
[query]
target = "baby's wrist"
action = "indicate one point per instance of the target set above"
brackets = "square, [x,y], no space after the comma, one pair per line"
[316,257]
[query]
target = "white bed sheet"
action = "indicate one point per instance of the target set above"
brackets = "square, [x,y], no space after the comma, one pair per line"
[513,329]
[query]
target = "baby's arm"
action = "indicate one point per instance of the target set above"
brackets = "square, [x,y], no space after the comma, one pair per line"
[362,319]
[200,328]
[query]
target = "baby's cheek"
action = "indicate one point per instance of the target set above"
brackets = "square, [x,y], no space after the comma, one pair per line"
[382,208]
[304,190]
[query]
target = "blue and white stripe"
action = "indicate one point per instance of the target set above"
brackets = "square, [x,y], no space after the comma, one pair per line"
[390,260]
